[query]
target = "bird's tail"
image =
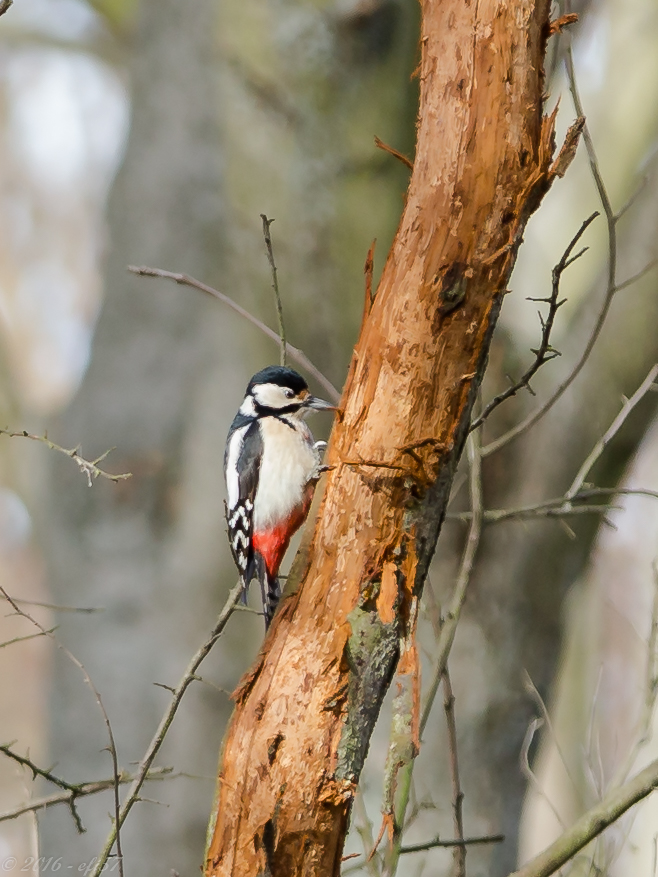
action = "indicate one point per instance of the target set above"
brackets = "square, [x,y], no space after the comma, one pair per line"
[270,591]
[247,576]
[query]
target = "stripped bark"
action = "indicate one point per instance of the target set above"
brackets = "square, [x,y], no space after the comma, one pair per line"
[306,710]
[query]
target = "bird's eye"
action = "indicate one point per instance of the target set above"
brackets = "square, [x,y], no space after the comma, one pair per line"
[288,393]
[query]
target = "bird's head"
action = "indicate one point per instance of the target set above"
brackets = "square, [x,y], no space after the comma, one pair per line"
[280,390]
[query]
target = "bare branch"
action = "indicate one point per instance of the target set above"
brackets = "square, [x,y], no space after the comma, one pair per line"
[112,745]
[449,626]
[87,610]
[612,431]
[545,352]
[459,854]
[611,285]
[447,633]
[4,6]
[22,639]
[275,284]
[558,507]
[394,152]
[36,771]
[154,747]
[635,277]
[467,841]
[591,824]
[89,468]
[294,352]
[79,791]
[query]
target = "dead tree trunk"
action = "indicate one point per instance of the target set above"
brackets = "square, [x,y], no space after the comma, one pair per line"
[305,713]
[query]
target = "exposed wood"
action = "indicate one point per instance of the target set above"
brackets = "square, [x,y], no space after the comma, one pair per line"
[306,710]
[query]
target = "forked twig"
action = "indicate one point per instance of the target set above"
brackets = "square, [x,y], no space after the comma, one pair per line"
[154,747]
[611,284]
[22,639]
[293,352]
[112,745]
[89,468]
[545,352]
[611,432]
[71,791]
[557,507]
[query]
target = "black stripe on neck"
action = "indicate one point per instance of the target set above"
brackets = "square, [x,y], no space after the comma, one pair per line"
[265,411]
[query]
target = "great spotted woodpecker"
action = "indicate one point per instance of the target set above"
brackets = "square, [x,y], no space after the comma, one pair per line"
[271,464]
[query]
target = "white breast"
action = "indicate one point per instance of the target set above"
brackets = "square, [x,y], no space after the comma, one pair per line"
[289,461]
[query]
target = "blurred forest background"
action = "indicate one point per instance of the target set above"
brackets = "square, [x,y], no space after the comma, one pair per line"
[155,132]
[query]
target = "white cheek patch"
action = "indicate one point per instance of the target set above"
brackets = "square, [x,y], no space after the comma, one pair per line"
[271,396]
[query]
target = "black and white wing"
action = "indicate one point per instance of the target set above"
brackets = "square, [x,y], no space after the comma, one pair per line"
[244,449]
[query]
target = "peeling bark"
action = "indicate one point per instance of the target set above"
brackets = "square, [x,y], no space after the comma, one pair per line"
[483,163]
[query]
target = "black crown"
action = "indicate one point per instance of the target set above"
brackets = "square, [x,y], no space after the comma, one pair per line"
[278,374]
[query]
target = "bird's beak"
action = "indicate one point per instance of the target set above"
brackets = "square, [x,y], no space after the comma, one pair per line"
[318,404]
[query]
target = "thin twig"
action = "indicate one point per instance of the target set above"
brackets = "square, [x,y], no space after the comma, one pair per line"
[545,352]
[611,432]
[36,771]
[459,853]
[611,284]
[293,352]
[650,694]
[527,771]
[532,690]
[591,824]
[447,635]
[364,828]
[558,507]
[56,607]
[451,621]
[89,468]
[154,747]
[635,277]
[79,791]
[465,842]
[22,639]
[4,5]
[112,745]
[394,152]
[275,284]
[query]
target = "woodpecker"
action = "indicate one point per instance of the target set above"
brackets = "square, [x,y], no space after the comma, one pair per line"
[271,465]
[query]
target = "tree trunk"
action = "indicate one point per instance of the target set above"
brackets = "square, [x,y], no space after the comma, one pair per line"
[300,733]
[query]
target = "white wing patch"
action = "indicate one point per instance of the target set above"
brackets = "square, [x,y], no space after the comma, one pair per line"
[232,478]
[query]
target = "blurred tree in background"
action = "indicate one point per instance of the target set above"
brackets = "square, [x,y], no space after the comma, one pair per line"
[196,118]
